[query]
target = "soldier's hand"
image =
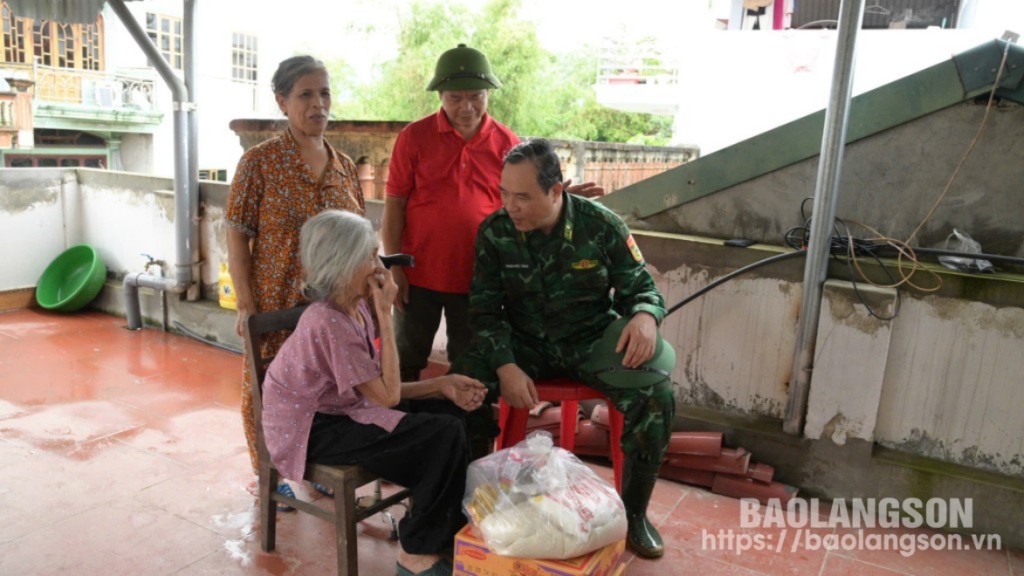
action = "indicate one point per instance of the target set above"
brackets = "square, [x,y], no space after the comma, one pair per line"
[517,387]
[402,296]
[638,340]
[586,189]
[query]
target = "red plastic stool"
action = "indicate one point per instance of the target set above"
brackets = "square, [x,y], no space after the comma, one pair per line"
[569,393]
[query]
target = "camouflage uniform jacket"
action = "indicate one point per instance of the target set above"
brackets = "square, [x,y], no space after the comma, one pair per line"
[558,290]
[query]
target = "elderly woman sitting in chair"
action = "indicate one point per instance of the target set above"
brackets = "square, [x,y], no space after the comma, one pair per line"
[329,395]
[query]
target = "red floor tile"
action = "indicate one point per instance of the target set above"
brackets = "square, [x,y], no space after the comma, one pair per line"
[191,438]
[134,539]
[1016,563]
[60,380]
[680,562]
[68,428]
[840,566]
[708,525]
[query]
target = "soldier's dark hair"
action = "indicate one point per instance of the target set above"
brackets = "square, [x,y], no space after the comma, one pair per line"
[290,70]
[539,152]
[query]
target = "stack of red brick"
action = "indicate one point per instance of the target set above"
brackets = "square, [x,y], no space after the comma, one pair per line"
[696,458]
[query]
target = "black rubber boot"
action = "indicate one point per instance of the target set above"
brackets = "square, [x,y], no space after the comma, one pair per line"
[638,481]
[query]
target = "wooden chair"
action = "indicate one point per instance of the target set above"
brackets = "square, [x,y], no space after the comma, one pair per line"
[343,480]
[512,421]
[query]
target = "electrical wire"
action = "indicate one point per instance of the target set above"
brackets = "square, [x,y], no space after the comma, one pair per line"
[733,274]
[843,243]
[970,148]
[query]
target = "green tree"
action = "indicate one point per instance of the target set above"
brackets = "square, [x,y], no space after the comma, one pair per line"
[400,93]
[518,60]
[541,95]
[344,91]
[568,108]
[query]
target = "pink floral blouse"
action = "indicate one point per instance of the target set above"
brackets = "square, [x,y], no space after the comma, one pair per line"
[317,370]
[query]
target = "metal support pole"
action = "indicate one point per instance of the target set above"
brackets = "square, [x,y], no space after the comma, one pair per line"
[736,12]
[183,220]
[826,196]
[192,166]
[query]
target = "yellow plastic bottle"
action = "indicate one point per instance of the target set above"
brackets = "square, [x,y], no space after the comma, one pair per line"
[226,289]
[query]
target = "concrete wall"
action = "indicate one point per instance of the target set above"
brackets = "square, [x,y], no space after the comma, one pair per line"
[32,226]
[889,181]
[952,383]
[937,381]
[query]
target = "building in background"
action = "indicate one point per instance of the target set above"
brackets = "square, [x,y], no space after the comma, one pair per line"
[84,94]
[729,70]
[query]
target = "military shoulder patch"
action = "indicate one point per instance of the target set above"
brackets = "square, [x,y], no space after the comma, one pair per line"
[634,249]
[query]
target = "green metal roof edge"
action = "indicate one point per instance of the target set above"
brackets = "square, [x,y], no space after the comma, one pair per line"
[965,76]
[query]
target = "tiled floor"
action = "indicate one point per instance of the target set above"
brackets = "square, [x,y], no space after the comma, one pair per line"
[121,453]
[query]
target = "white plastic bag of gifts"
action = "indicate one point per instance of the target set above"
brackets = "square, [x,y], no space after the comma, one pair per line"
[535,500]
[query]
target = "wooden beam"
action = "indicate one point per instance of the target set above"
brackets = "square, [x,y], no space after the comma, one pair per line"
[18,299]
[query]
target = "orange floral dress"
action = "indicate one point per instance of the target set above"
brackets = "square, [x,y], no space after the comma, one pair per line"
[272,195]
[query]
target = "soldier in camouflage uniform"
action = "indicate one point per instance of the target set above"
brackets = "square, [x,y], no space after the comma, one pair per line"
[552,271]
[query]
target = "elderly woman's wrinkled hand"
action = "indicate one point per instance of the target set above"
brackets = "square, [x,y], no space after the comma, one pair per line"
[383,288]
[465,392]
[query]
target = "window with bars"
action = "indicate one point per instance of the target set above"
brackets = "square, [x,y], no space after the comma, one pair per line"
[53,43]
[243,57]
[42,42]
[65,53]
[165,31]
[14,36]
[91,43]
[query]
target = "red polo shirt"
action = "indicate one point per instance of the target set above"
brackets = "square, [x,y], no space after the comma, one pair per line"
[451,185]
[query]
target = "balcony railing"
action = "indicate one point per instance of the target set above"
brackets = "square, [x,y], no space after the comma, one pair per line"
[629,65]
[105,89]
[620,72]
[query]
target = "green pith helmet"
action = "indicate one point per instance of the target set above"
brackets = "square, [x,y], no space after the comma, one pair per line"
[463,68]
[605,363]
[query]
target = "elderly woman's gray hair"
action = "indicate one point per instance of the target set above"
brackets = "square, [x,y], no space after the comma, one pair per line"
[290,70]
[332,245]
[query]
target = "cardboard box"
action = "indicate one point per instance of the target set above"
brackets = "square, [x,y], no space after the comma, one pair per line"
[474,558]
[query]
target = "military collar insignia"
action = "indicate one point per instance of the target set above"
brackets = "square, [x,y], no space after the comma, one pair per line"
[567,216]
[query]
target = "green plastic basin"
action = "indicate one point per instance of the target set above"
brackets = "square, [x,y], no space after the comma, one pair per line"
[72,280]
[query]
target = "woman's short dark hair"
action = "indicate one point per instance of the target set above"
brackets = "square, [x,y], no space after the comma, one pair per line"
[289,71]
[539,152]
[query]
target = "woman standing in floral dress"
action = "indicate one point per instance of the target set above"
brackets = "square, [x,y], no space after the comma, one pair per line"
[279,184]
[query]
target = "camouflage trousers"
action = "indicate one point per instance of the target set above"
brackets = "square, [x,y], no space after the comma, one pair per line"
[648,411]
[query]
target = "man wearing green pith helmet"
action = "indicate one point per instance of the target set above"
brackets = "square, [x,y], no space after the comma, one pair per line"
[443,181]
[552,272]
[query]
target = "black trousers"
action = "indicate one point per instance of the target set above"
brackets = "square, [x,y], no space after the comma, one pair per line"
[427,453]
[416,325]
